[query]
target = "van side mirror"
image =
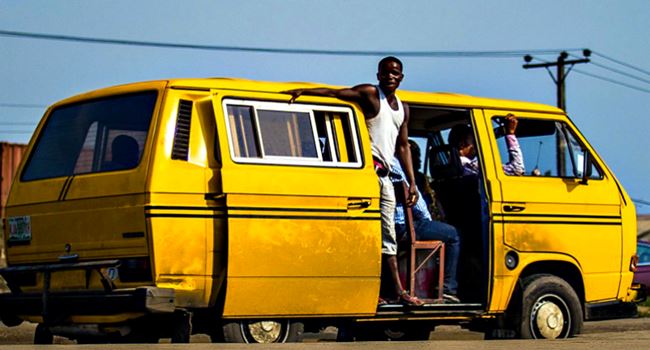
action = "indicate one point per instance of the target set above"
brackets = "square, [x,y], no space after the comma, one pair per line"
[586,167]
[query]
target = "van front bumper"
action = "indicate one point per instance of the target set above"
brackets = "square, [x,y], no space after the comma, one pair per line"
[56,307]
[617,309]
[637,293]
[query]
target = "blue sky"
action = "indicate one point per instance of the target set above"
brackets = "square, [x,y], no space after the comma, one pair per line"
[614,118]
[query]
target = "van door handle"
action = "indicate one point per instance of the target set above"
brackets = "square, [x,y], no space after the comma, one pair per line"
[359,203]
[69,257]
[513,208]
[214,196]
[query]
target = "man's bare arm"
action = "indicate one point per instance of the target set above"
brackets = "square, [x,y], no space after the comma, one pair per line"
[358,94]
[403,153]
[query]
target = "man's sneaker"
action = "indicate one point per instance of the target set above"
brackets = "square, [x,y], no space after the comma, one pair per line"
[450,298]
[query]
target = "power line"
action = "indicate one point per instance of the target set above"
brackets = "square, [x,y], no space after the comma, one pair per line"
[560,77]
[612,81]
[465,54]
[618,71]
[21,105]
[640,201]
[620,62]
[18,124]
[494,53]
[16,132]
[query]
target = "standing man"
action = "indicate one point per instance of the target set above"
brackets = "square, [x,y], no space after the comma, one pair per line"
[387,120]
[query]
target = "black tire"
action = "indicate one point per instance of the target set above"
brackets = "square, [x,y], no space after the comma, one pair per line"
[498,334]
[550,309]
[182,327]
[42,335]
[216,335]
[263,331]
[408,334]
[11,321]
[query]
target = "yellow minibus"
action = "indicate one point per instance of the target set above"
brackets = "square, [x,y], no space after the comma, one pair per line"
[168,208]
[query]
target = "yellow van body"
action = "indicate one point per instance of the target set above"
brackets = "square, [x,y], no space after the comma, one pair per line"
[241,208]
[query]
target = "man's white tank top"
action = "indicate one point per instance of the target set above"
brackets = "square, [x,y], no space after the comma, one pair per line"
[384,128]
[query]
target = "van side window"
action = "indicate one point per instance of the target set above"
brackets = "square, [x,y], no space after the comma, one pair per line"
[241,123]
[268,132]
[95,136]
[287,134]
[549,148]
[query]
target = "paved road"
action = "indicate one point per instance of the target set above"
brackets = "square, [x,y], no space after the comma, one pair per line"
[628,334]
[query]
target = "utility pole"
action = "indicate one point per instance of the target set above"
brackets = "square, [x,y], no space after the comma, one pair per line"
[561,75]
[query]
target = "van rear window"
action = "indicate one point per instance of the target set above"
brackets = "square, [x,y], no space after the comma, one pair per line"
[90,137]
[301,134]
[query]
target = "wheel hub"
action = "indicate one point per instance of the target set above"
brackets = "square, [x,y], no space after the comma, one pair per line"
[265,331]
[548,319]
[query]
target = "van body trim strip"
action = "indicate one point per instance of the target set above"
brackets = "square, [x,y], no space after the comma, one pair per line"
[283,209]
[178,215]
[178,207]
[324,210]
[557,222]
[243,216]
[298,217]
[577,216]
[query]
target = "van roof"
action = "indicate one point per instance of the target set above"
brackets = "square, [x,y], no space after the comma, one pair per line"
[413,97]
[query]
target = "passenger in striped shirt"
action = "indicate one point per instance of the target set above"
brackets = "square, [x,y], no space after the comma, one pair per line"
[429,229]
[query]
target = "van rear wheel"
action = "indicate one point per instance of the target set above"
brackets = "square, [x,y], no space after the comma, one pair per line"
[263,331]
[550,309]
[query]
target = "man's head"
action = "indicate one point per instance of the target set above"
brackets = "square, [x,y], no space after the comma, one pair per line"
[389,73]
[462,137]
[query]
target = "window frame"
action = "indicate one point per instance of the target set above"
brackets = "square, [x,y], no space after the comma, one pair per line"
[310,109]
[564,129]
[644,247]
[49,117]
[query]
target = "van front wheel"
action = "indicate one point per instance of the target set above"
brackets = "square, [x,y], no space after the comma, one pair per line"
[263,331]
[550,309]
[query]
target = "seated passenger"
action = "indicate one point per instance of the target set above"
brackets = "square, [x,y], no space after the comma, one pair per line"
[423,184]
[462,138]
[124,153]
[429,229]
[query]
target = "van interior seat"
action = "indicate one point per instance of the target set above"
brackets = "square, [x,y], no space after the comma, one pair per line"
[460,197]
[444,162]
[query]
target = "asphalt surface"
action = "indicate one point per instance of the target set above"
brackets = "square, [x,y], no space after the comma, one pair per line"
[625,334]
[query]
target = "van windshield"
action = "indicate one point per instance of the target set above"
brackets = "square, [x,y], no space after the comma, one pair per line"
[94,136]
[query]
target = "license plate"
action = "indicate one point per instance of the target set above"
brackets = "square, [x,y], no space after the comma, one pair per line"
[20,229]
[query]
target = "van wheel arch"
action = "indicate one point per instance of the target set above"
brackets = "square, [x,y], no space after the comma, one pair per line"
[548,308]
[560,269]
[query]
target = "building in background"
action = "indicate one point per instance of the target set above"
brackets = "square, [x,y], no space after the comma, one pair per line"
[10,156]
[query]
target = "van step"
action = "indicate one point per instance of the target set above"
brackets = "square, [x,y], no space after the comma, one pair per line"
[459,309]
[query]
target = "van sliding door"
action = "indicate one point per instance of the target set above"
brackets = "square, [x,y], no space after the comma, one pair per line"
[303,209]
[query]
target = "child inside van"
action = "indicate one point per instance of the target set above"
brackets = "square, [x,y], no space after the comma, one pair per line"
[462,137]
